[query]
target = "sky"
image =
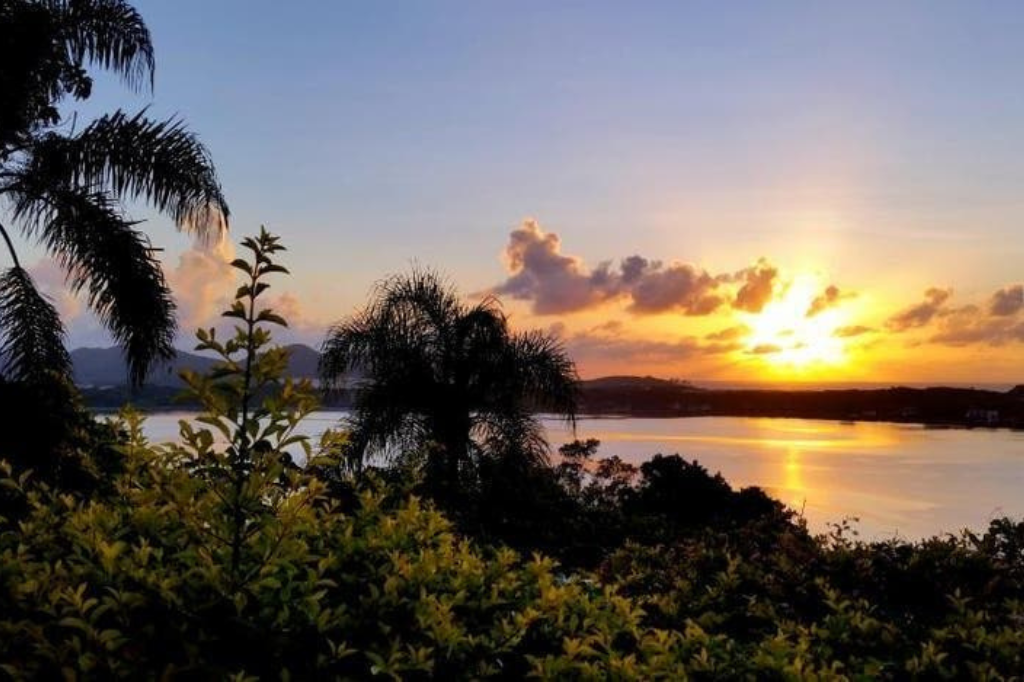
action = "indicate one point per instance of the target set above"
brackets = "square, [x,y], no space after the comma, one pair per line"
[776,191]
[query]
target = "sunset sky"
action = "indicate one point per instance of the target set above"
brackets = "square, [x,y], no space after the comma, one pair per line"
[786,191]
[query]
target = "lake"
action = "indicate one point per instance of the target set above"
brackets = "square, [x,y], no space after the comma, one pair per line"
[897,479]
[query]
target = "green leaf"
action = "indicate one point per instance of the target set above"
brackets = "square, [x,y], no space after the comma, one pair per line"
[271,317]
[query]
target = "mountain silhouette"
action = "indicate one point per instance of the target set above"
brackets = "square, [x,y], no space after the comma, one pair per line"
[98,367]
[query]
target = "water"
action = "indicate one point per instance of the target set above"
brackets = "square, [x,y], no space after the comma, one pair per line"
[900,480]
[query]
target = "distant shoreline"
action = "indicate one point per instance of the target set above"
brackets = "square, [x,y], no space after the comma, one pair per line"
[630,397]
[938,406]
[938,425]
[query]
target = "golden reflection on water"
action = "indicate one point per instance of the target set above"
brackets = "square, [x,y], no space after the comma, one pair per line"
[793,478]
[904,479]
[825,437]
[805,464]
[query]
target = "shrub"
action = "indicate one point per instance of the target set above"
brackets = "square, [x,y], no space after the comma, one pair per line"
[218,557]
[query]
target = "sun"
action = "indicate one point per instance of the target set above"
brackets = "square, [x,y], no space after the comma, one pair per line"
[784,336]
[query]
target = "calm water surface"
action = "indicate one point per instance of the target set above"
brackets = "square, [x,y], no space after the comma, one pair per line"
[898,479]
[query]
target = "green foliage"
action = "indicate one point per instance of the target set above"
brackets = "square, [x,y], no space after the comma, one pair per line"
[218,557]
[134,586]
[944,608]
[585,508]
[214,557]
[249,403]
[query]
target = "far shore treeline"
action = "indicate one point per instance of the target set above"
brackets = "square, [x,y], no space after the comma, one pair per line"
[99,370]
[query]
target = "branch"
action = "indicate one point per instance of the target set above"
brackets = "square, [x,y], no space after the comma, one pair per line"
[10,247]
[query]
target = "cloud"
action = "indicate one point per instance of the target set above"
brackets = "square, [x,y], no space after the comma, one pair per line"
[50,280]
[302,327]
[622,349]
[203,282]
[992,332]
[829,298]
[920,314]
[1007,301]
[609,327]
[852,331]
[657,289]
[287,306]
[557,283]
[729,333]
[765,349]
[758,287]
[996,323]
[607,342]
[971,324]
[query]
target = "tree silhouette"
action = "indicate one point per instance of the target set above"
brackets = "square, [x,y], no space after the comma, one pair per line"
[65,188]
[446,379]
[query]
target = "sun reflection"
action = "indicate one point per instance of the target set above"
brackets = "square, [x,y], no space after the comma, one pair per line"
[794,478]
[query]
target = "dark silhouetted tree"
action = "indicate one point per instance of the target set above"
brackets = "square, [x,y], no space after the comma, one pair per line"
[64,188]
[446,379]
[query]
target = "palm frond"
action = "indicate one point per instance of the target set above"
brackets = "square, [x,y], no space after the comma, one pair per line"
[31,333]
[112,262]
[136,158]
[383,429]
[347,347]
[423,293]
[546,375]
[108,33]
[403,336]
[513,435]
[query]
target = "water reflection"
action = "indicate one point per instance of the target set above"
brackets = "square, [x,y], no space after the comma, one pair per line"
[795,492]
[898,479]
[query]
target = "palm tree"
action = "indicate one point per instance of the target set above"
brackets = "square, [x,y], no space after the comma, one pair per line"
[445,377]
[65,189]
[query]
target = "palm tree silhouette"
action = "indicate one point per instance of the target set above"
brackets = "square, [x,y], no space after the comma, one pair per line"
[64,188]
[446,378]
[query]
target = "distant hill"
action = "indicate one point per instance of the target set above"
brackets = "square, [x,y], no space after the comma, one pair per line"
[623,382]
[303,361]
[98,367]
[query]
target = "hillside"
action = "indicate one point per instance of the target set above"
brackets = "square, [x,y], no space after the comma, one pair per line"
[105,367]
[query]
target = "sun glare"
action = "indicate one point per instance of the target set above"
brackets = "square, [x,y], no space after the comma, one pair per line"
[783,335]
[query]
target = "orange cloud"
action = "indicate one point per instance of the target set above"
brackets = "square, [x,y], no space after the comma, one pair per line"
[829,298]
[203,282]
[921,314]
[1007,301]
[852,331]
[758,287]
[556,283]
[729,333]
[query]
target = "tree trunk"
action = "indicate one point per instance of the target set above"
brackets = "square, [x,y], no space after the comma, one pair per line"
[452,435]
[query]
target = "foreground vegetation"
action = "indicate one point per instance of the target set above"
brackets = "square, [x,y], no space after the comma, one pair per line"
[218,557]
[433,540]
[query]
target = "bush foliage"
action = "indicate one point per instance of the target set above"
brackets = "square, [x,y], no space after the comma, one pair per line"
[217,557]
